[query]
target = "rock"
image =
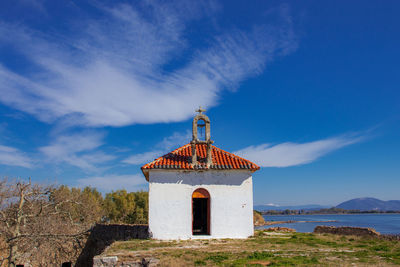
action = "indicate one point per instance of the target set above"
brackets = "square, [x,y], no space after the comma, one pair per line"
[345,230]
[258,219]
[102,261]
[112,261]
[280,229]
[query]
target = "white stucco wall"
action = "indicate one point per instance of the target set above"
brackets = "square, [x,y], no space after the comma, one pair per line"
[170,203]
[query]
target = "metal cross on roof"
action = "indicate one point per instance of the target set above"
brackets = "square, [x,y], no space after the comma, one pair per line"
[200,110]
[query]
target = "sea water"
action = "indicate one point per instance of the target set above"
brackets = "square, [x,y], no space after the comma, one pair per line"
[383,223]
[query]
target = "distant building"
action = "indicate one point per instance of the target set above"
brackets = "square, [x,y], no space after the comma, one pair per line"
[200,191]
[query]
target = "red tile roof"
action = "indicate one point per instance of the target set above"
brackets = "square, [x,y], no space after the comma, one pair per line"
[180,159]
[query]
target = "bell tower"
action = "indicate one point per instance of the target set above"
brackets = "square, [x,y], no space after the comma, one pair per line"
[201,121]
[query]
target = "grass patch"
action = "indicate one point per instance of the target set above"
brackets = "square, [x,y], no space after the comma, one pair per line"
[260,255]
[217,258]
[290,249]
[199,262]
[275,260]
[381,247]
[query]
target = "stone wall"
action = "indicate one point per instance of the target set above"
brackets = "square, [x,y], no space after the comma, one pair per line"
[103,235]
[358,231]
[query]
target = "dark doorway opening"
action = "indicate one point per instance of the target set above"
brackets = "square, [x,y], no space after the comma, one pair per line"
[201,212]
[67,264]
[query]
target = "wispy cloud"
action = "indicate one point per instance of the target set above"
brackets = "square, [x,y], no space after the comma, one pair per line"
[14,157]
[79,150]
[111,73]
[36,4]
[293,154]
[175,140]
[170,142]
[142,158]
[108,183]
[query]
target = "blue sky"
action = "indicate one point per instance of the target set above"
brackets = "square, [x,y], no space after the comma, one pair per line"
[309,90]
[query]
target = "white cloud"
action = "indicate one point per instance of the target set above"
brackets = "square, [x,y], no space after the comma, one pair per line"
[111,73]
[108,183]
[79,150]
[13,157]
[142,158]
[175,140]
[292,154]
[166,145]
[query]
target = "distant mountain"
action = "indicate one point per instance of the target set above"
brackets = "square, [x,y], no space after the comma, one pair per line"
[369,203]
[267,207]
[362,204]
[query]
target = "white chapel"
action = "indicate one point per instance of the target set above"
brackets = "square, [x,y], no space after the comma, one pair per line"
[200,191]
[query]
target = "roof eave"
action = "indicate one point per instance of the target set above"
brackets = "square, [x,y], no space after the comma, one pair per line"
[145,173]
[256,169]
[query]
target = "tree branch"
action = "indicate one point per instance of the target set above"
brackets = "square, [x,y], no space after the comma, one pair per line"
[49,235]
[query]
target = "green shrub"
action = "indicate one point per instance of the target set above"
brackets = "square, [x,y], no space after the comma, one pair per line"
[217,258]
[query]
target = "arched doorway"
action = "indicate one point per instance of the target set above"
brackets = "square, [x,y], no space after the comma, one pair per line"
[200,212]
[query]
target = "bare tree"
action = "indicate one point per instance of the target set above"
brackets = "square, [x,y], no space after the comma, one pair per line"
[40,219]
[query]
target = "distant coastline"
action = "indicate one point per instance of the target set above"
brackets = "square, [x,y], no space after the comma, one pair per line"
[291,221]
[325,211]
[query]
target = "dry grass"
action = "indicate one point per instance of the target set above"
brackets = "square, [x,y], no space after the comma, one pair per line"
[264,249]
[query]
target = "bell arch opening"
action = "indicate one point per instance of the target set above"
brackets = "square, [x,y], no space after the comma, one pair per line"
[201,212]
[201,130]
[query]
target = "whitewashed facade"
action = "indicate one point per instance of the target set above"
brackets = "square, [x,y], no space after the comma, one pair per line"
[170,203]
